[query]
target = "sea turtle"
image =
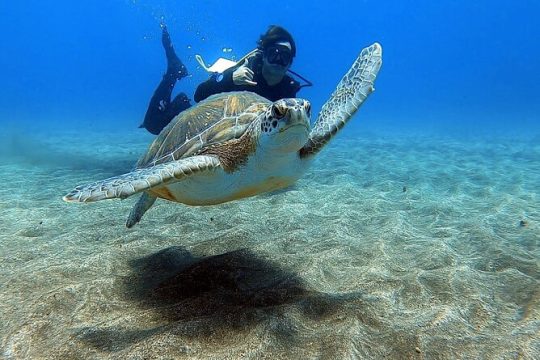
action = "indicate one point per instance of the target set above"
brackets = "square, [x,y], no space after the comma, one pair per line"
[235,145]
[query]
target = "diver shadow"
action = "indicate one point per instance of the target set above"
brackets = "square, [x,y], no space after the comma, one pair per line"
[209,296]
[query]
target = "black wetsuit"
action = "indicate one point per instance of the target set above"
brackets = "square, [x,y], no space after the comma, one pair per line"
[287,88]
[161,110]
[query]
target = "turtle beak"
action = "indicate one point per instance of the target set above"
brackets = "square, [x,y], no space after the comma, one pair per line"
[297,125]
[298,115]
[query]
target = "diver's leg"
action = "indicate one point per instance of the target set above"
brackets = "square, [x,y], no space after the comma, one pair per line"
[180,103]
[159,102]
[157,116]
[174,65]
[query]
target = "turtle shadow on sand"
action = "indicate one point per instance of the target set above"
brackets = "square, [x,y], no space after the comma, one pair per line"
[211,297]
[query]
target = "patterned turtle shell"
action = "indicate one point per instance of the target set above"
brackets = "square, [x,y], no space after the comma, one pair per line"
[216,120]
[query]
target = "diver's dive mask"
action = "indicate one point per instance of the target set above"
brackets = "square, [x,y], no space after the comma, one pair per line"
[278,54]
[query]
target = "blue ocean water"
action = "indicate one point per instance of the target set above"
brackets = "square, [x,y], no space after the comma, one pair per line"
[449,66]
[414,234]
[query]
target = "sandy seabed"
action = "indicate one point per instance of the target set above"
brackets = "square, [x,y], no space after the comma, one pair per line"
[390,247]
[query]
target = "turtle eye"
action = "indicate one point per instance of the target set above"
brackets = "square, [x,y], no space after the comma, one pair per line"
[278,111]
[307,106]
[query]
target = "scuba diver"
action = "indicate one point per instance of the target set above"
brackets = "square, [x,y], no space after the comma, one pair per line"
[262,71]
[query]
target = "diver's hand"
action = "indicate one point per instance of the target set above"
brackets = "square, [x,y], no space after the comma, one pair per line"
[243,75]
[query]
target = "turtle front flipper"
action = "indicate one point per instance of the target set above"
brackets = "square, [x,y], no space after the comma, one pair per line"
[142,179]
[349,95]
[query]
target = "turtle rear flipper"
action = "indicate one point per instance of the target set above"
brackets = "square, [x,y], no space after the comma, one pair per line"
[142,179]
[143,204]
[349,95]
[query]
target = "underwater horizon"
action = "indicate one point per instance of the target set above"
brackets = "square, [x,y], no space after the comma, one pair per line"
[414,234]
[452,66]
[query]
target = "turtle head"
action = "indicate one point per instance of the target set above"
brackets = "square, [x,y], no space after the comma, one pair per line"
[285,124]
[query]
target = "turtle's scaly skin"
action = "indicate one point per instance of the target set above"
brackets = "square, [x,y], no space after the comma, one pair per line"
[141,179]
[350,93]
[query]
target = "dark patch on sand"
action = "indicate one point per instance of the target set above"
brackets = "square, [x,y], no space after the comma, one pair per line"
[214,297]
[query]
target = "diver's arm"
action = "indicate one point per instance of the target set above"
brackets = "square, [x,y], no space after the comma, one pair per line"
[217,83]
[213,86]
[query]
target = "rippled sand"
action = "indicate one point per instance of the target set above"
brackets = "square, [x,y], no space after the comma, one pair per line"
[396,247]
